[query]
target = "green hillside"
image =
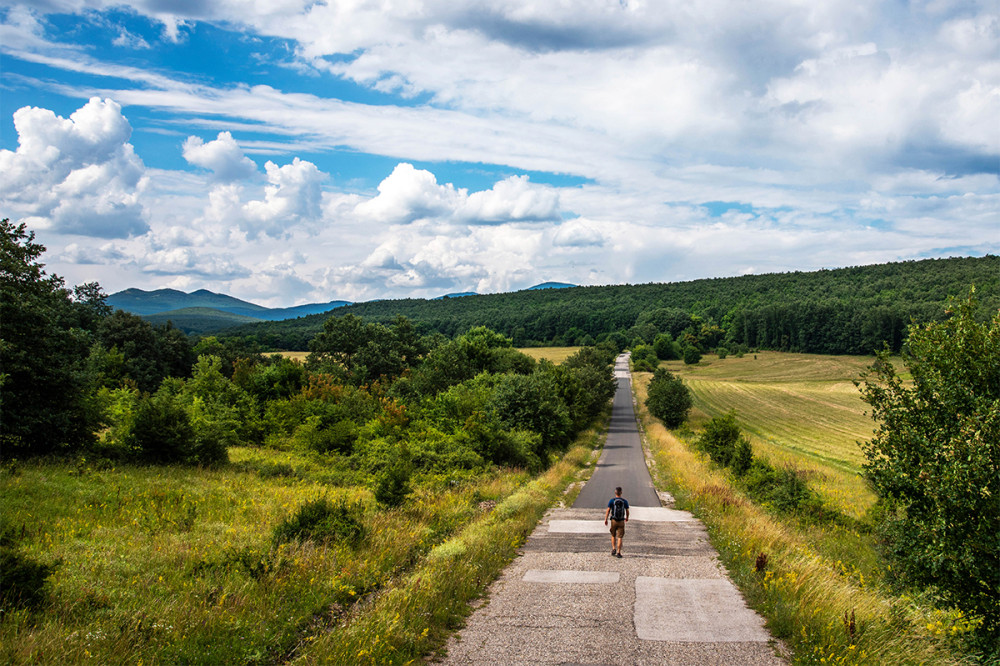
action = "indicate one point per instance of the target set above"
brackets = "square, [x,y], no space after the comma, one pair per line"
[199,320]
[842,311]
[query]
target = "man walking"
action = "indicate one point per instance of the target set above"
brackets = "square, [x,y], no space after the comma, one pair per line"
[618,513]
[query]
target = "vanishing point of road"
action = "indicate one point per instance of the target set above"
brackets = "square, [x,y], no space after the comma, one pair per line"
[566,600]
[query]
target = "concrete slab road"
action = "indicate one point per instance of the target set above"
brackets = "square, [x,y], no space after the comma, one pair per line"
[567,600]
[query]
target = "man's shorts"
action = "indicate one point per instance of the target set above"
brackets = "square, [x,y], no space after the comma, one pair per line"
[618,528]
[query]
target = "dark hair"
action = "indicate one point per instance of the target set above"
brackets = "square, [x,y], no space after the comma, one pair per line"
[618,490]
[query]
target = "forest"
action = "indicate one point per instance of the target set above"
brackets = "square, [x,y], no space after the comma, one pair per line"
[856,310]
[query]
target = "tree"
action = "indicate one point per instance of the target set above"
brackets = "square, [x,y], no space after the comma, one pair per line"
[668,398]
[934,459]
[44,378]
[691,355]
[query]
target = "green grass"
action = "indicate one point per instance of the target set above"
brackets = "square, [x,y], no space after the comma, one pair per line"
[171,564]
[799,409]
[178,565]
[816,575]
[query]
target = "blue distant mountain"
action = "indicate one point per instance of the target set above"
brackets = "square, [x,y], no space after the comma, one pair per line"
[163,303]
[551,285]
[457,295]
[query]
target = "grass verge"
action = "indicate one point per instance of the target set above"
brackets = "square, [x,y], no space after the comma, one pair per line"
[811,584]
[416,616]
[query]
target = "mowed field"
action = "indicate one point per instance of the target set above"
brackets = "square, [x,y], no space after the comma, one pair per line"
[798,409]
[555,354]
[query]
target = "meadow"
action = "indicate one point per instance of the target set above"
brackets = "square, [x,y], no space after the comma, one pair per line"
[821,586]
[175,564]
[798,409]
[554,354]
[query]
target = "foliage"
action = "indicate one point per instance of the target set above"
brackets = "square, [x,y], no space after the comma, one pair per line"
[934,459]
[720,438]
[844,311]
[665,347]
[532,402]
[691,355]
[148,354]
[44,377]
[644,358]
[366,351]
[340,521]
[669,399]
[393,484]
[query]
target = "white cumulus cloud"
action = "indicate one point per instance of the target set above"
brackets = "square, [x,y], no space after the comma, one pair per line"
[76,175]
[223,156]
[409,194]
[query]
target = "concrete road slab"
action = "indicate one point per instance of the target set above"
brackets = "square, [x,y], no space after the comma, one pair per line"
[578,527]
[570,576]
[694,611]
[658,515]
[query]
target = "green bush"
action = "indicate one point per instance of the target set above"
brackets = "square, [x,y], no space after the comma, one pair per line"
[324,521]
[668,398]
[934,461]
[720,438]
[393,485]
[691,355]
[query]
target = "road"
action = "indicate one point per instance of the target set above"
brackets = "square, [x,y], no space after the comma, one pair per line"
[622,462]
[566,600]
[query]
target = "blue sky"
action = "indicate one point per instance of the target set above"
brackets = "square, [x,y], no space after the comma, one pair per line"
[288,152]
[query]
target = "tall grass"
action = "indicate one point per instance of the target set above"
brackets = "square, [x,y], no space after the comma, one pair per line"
[179,565]
[819,587]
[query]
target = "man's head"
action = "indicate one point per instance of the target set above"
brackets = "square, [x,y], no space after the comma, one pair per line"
[618,491]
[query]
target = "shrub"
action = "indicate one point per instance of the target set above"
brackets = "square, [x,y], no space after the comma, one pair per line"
[324,521]
[161,430]
[721,352]
[393,484]
[691,355]
[668,398]
[720,438]
[934,457]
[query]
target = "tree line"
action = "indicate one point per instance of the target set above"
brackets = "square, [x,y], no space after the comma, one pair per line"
[377,401]
[844,311]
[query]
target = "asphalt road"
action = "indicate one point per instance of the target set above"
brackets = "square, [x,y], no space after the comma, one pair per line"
[622,462]
[566,600]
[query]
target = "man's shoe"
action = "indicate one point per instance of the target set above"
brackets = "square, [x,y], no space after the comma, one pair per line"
[618,554]
[613,552]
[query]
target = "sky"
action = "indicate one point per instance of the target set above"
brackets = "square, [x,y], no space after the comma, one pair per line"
[296,151]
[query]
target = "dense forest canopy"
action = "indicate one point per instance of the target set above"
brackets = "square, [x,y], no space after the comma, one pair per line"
[844,311]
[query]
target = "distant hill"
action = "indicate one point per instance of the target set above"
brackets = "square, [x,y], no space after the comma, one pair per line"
[459,294]
[199,320]
[142,302]
[551,285]
[851,310]
[202,310]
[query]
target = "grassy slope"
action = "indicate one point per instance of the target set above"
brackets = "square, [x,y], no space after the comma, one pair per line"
[798,409]
[814,574]
[175,565]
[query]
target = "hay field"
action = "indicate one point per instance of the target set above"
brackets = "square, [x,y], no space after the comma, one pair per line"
[799,409]
[555,354]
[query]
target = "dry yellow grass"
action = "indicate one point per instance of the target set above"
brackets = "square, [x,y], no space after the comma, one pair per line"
[555,354]
[294,355]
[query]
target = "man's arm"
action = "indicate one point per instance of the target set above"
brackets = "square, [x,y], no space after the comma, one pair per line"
[607,512]
[626,514]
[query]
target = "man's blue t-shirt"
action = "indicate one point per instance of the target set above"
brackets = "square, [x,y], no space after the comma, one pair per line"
[611,503]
